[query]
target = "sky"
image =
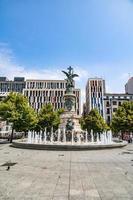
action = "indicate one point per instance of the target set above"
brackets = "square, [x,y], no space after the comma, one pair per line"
[39,38]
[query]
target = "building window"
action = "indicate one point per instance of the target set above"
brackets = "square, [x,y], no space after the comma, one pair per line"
[119,103]
[108,111]
[108,119]
[114,109]
[51,85]
[58,93]
[114,102]
[107,104]
[48,85]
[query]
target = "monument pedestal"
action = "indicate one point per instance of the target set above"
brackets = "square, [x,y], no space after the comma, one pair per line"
[69,115]
[70,119]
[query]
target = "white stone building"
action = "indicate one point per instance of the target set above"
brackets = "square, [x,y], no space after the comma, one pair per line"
[41,92]
[5,128]
[112,102]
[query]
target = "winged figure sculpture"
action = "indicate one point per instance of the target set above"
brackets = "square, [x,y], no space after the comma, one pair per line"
[70,78]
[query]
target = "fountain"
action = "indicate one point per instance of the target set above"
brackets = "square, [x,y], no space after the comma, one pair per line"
[34,137]
[69,135]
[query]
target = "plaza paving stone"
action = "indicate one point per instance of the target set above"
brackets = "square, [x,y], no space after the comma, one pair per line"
[66,175]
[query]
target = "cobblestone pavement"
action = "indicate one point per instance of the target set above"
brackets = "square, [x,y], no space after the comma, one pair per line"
[67,175]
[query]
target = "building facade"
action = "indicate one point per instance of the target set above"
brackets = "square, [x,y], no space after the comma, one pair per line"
[7,86]
[17,85]
[129,86]
[106,103]
[41,92]
[112,102]
[95,90]
[5,128]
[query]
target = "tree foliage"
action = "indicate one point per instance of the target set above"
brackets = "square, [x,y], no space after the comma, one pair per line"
[49,118]
[16,110]
[123,118]
[94,121]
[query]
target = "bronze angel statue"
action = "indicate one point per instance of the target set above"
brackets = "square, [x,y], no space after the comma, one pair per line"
[70,79]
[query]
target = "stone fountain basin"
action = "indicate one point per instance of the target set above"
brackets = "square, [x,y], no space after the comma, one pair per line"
[67,147]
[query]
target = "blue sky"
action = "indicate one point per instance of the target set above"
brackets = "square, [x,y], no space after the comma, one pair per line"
[38,38]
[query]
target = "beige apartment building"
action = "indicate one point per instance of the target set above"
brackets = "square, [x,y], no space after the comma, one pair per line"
[41,92]
[95,90]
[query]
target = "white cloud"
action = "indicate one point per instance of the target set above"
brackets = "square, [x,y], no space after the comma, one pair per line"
[10,68]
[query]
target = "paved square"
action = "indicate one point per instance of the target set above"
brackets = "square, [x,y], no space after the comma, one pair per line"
[56,175]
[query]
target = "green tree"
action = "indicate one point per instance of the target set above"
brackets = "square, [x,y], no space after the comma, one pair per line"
[15,109]
[57,118]
[27,119]
[94,121]
[49,118]
[123,118]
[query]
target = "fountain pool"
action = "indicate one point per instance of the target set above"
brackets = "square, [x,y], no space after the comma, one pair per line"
[68,140]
